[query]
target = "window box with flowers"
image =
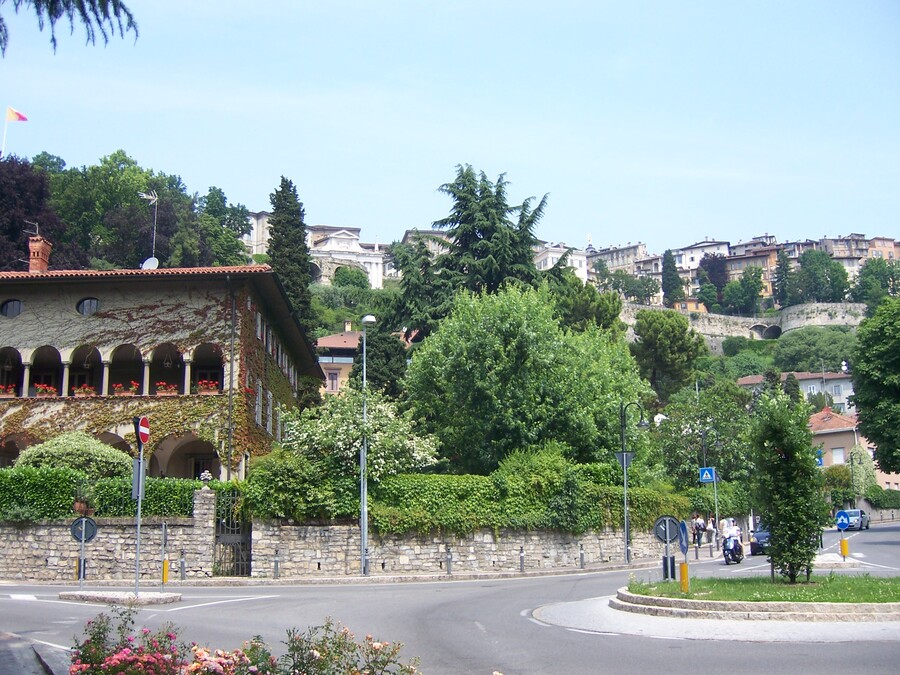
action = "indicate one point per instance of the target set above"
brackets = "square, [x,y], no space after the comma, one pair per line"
[166,389]
[207,387]
[84,391]
[7,391]
[130,389]
[45,390]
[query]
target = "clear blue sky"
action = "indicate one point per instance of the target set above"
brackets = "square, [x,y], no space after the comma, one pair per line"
[662,122]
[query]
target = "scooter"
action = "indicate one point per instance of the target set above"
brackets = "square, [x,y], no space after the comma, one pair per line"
[732,551]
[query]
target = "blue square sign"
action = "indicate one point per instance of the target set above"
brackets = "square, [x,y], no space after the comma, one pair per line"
[708,474]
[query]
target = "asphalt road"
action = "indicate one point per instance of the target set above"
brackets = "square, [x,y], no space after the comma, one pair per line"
[479,626]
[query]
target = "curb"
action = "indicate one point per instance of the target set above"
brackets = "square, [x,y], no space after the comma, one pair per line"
[754,611]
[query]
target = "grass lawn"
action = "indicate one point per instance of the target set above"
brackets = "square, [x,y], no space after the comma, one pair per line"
[832,588]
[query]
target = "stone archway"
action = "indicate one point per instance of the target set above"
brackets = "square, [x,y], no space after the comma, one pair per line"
[184,456]
[11,447]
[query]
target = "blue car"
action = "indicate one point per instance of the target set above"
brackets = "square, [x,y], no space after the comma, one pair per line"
[759,539]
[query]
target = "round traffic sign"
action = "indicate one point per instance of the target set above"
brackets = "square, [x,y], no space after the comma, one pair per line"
[144,429]
[84,527]
[683,542]
[842,520]
[666,529]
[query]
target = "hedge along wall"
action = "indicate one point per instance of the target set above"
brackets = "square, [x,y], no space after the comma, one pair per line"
[46,551]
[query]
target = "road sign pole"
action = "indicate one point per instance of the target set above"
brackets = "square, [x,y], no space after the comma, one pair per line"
[716,497]
[142,434]
[81,563]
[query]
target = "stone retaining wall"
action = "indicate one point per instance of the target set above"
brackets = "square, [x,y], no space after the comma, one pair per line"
[47,551]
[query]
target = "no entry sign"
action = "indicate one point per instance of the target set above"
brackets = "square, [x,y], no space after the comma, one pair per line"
[142,426]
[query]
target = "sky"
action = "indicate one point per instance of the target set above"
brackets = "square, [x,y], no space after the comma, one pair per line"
[660,122]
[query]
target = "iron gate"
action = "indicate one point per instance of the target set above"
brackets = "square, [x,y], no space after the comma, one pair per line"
[232,555]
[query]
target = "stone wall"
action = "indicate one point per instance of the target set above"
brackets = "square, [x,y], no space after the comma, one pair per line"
[303,550]
[48,552]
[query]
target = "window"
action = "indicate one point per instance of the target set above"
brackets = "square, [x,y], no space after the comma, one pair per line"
[259,402]
[11,308]
[332,380]
[837,455]
[811,389]
[88,306]
[269,411]
[837,390]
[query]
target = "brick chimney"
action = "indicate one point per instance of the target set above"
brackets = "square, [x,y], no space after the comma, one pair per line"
[348,326]
[39,259]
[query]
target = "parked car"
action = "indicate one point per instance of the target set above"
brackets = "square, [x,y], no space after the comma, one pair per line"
[759,539]
[859,519]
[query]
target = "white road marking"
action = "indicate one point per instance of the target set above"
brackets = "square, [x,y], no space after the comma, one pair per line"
[54,645]
[219,602]
[22,596]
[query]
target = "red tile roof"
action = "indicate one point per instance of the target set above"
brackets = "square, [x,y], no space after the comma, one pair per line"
[123,274]
[801,376]
[347,340]
[828,420]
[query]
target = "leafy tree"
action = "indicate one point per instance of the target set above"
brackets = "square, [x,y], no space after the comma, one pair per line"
[385,362]
[814,348]
[878,279]
[876,383]
[351,277]
[24,198]
[838,484]
[579,305]
[498,375]
[791,387]
[819,400]
[782,280]
[862,470]
[715,266]
[289,253]
[788,484]
[103,17]
[602,277]
[742,296]
[665,348]
[486,248]
[331,435]
[672,285]
[709,296]
[640,289]
[819,278]
[232,217]
[78,450]
[708,428]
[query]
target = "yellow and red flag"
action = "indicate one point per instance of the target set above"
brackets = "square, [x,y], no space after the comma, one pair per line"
[13,115]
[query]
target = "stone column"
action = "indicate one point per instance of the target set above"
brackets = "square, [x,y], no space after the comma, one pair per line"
[104,379]
[64,390]
[187,376]
[145,386]
[26,378]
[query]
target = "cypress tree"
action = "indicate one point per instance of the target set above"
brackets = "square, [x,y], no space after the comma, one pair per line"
[672,286]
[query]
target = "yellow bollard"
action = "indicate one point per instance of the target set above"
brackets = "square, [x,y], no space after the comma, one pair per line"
[165,576]
[685,580]
[845,547]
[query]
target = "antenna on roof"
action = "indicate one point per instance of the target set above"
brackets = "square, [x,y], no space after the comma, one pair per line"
[152,198]
[37,229]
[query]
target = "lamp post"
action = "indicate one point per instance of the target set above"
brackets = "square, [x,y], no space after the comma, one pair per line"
[625,458]
[852,482]
[367,320]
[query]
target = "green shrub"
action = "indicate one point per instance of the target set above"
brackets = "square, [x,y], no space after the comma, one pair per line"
[47,492]
[526,482]
[880,498]
[78,450]
[173,497]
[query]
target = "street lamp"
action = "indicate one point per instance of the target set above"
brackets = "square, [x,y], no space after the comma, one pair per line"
[367,320]
[625,460]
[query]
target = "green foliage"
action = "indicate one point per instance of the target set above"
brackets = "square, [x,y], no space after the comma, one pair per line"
[640,289]
[80,451]
[709,296]
[427,503]
[666,348]
[819,400]
[500,375]
[714,265]
[837,484]
[289,253]
[742,296]
[579,305]
[330,436]
[880,498]
[288,485]
[46,492]
[876,383]
[525,483]
[788,483]
[385,362]
[782,278]
[350,276]
[809,349]
[672,284]
[709,428]
[819,278]
[877,280]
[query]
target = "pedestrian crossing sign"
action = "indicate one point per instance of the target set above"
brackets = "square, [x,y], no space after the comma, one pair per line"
[708,474]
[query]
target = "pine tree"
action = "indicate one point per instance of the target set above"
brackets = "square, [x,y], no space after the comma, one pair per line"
[782,278]
[672,286]
[289,253]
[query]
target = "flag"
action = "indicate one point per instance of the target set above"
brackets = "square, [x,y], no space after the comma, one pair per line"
[13,115]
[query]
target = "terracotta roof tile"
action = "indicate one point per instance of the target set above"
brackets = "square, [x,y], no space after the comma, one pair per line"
[125,274]
[828,420]
[346,340]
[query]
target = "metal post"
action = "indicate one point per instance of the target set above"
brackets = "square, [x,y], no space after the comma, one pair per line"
[181,565]
[522,559]
[363,478]
[275,573]
[162,556]
[81,562]
[625,459]
[581,554]
[140,498]
[449,555]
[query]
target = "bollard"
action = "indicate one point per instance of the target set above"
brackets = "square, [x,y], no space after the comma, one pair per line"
[522,559]
[449,555]
[581,554]
[685,580]
[665,562]
[696,552]
[277,563]
[165,571]
[366,566]
[181,565]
